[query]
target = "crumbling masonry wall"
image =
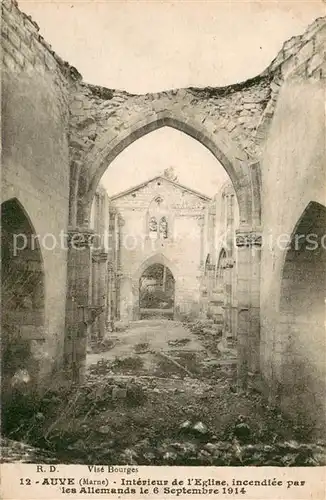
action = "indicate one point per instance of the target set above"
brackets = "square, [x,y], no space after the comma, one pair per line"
[293,351]
[220,276]
[35,162]
[107,120]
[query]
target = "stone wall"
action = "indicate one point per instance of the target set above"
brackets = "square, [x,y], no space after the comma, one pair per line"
[182,249]
[220,274]
[35,160]
[100,254]
[293,176]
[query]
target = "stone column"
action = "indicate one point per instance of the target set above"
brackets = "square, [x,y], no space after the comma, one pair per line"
[118,272]
[90,301]
[228,269]
[126,302]
[248,292]
[135,300]
[229,265]
[205,234]
[77,303]
[99,261]
[201,224]
[203,305]
[94,297]
[110,316]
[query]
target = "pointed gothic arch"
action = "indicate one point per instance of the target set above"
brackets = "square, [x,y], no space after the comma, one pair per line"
[220,266]
[242,169]
[22,293]
[301,287]
[155,258]
[236,163]
[300,330]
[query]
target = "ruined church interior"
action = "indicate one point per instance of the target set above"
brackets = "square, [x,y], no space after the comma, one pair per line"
[172,314]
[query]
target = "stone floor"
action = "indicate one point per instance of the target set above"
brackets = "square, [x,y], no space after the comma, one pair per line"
[152,341]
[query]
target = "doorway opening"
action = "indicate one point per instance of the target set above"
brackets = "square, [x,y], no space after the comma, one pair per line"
[22,297]
[302,316]
[157,292]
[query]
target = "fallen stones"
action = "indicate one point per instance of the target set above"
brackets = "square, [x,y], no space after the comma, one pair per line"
[178,342]
[242,431]
[129,456]
[40,417]
[200,428]
[169,456]
[185,425]
[195,429]
[15,451]
[104,429]
[210,447]
[119,394]
[142,348]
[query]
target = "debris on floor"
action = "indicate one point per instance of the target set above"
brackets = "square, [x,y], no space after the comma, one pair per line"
[148,402]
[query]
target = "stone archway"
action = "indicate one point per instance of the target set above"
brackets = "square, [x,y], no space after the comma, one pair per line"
[242,168]
[220,269]
[22,296]
[156,292]
[238,165]
[300,337]
[156,259]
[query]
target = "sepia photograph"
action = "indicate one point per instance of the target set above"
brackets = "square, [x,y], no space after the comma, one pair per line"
[163,245]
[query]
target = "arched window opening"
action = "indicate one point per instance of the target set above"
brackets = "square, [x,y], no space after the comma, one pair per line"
[153,227]
[157,217]
[207,265]
[221,268]
[163,228]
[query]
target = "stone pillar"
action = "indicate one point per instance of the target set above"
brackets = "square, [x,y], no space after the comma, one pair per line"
[227,330]
[118,223]
[126,302]
[77,303]
[135,300]
[228,266]
[110,313]
[248,292]
[90,301]
[201,224]
[99,262]
[94,279]
[203,304]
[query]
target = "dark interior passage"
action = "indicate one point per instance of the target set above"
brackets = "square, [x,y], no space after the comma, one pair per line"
[22,296]
[302,308]
[156,292]
[304,280]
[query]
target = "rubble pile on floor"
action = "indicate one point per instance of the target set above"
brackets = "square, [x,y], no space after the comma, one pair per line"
[123,419]
[15,451]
